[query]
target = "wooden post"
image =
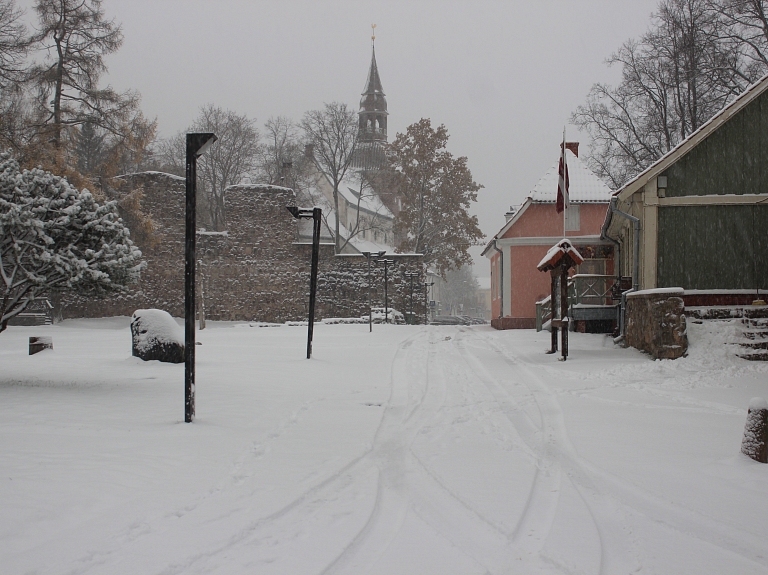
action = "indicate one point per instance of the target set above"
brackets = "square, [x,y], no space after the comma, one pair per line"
[553,307]
[564,309]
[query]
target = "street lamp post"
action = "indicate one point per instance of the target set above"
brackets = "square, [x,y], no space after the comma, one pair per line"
[386,263]
[411,275]
[368,256]
[315,214]
[426,300]
[197,145]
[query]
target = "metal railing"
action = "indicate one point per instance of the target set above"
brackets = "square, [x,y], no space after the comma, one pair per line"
[583,289]
[591,289]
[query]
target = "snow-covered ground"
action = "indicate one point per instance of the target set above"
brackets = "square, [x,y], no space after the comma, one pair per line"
[411,450]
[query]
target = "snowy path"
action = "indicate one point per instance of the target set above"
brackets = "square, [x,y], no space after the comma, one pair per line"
[446,450]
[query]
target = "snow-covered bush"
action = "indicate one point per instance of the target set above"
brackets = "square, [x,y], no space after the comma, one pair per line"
[156,335]
[55,237]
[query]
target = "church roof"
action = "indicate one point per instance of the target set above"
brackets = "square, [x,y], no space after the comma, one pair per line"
[373,84]
[584,185]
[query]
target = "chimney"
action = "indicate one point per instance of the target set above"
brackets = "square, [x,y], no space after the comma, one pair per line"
[309,150]
[510,214]
[573,147]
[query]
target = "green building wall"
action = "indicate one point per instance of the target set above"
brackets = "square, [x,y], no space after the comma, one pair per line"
[719,246]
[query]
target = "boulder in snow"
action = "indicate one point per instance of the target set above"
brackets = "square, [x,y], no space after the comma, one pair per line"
[156,335]
[755,442]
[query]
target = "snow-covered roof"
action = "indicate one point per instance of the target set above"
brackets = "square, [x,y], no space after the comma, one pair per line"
[726,113]
[369,201]
[556,253]
[584,185]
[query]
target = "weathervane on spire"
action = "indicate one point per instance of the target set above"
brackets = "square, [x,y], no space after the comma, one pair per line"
[373,33]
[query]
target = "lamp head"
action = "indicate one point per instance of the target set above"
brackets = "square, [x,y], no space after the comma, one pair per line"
[299,213]
[199,143]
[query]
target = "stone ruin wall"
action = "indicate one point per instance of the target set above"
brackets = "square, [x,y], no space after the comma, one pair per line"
[255,271]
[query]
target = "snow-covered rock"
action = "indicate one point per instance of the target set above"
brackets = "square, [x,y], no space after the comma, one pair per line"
[755,442]
[156,335]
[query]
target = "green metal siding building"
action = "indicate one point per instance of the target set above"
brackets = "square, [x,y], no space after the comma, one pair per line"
[703,207]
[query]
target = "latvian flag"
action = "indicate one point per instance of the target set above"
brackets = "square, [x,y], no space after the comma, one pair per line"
[563,201]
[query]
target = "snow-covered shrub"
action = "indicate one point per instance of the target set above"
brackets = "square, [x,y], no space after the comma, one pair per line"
[392,315]
[156,335]
[56,237]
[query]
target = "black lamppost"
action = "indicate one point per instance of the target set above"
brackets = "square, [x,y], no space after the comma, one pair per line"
[368,256]
[411,275]
[314,214]
[426,300]
[197,145]
[386,263]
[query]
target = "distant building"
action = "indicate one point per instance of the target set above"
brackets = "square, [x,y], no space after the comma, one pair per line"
[533,228]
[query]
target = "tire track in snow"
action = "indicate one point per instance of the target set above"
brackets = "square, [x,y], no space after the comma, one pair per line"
[237,511]
[537,518]
[606,495]
[617,555]
[407,485]
[390,453]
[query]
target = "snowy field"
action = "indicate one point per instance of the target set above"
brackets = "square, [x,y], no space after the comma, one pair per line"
[411,450]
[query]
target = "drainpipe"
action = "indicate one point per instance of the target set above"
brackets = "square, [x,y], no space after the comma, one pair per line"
[501,278]
[636,255]
[635,262]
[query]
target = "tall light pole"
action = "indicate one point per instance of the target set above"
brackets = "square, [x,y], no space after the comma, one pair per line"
[315,214]
[368,256]
[197,145]
[386,263]
[411,275]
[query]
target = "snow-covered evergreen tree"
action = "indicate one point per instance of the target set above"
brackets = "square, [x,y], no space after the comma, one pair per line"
[55,237]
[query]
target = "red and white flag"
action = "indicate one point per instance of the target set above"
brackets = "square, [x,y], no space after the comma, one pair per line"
[563,201]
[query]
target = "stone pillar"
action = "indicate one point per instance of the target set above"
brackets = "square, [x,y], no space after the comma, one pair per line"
[755,442]
[656,322]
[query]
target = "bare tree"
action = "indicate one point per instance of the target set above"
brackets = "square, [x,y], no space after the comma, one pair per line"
[234,158]
[679,74]
[364,216]
[459,291]
[332,132]
[745,27]
[13,44]
[77,36]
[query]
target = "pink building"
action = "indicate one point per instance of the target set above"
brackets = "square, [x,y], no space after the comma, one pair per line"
[514,252]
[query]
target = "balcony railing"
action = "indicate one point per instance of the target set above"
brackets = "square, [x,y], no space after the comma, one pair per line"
[588,295]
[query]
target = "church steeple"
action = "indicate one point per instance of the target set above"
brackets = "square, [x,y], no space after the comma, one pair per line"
[373,105]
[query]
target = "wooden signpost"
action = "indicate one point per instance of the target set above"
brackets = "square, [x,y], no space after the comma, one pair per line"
[558,261]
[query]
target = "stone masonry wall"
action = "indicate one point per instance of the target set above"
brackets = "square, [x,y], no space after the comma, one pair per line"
[255,271]
[656,323]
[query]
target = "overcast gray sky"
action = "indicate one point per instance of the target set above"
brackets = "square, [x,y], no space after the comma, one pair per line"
[503,76]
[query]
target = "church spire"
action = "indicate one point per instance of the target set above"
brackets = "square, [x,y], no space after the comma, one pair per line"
[373,105]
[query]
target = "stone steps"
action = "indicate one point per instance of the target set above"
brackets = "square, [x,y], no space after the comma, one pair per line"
[751,341]
[753,355]
[754,331]
[757,312]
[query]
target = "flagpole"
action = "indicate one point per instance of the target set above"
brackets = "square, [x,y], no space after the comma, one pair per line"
[565,207]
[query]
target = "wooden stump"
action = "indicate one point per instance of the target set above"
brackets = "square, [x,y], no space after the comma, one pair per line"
[38,344]
[755,442]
